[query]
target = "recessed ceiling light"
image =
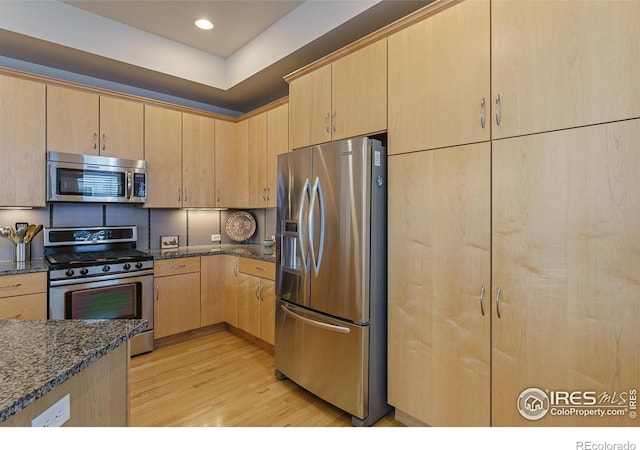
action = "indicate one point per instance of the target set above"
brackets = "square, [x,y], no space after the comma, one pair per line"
[204,24]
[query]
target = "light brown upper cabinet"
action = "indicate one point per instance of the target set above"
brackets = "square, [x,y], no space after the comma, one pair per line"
[86,123]
[257,144]
[22,142]
[439,80]
[268,138]
[198,161]
[232,166]
[557,65]
[439,304]
[163,153]
[343,99]
[277,143]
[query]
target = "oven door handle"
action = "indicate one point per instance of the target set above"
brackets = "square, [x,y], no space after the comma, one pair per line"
[99,278]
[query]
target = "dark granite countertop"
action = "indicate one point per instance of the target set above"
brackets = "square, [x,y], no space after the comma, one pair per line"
[248,251]
[38,355]
[13,268]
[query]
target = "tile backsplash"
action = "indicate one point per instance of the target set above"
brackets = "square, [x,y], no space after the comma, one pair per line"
[193,227]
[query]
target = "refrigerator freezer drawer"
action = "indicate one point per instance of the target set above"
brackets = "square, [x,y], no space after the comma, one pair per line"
[326,356]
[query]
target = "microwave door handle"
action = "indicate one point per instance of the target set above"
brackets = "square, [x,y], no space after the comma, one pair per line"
[129,185]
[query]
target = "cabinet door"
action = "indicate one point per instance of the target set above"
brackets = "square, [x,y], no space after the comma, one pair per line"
[231,290]
[72,121]
[310,108]
[268,311]
[439,319]
[232,166]
[277,143]
[22,142]
[177,304]
[359,92]
[257,145]
[558,65]
[212,290]
[565,255]
[163,153]
[24,307]
[439,80]
[121,128]
[249,304]
[198,161]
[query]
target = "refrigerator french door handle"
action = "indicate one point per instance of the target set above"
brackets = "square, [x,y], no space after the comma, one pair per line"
[315,323]
[315,193]
[303,253]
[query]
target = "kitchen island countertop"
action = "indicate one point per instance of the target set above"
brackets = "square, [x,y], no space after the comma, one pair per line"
[38,355]
[253,251]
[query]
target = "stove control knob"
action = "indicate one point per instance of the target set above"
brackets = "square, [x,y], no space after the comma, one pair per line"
[69,273]
[127,266]
[84,271]
[106,268]
[138,265]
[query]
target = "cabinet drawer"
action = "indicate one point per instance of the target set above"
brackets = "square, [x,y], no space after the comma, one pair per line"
[258,268]
[176,266]
[28,283]
[27,307]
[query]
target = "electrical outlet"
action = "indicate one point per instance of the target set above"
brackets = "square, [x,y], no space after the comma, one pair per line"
[216,238]
[55,415]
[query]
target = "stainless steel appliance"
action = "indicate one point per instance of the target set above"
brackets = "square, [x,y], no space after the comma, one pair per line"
[331,305]
[97,273]
[88,178]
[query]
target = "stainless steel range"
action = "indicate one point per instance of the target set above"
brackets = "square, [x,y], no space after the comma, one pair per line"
[97,273]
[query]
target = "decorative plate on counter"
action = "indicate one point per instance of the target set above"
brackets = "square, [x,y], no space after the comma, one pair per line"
[240,226]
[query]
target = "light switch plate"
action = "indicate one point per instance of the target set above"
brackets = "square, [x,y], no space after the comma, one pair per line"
[216,238]
[55,415]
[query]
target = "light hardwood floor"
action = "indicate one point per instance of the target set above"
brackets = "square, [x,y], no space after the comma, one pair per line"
[223,380]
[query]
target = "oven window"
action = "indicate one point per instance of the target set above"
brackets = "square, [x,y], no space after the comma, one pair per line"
[122,301]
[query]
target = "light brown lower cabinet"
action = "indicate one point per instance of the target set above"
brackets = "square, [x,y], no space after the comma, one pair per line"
[177,296]
[256,300]
[23,296]
[212,289]
[559,307]
[232,286]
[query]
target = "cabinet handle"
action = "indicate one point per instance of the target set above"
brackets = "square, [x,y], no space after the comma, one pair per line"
[498,303]
[95,141]
[498,110]
[264,194]
[483,122]
[333,121]
[268,193]
[482,300]
[260,268]
[235,271]
[261,288]
[104,141]
[217,195]
[17,316]
[326,123]
[179,194]
[11,286]
[186,199]
[157,292]
[257,294]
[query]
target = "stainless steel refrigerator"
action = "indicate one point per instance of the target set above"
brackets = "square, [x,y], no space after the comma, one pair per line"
[331,309]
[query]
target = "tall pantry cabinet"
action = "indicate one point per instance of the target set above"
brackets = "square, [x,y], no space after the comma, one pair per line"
[549,201]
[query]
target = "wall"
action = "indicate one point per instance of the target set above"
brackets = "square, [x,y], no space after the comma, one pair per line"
[194,227]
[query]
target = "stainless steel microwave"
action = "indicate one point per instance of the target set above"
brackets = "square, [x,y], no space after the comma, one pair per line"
[99,179]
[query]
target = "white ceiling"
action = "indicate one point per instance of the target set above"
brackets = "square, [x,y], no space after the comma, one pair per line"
[154,45]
